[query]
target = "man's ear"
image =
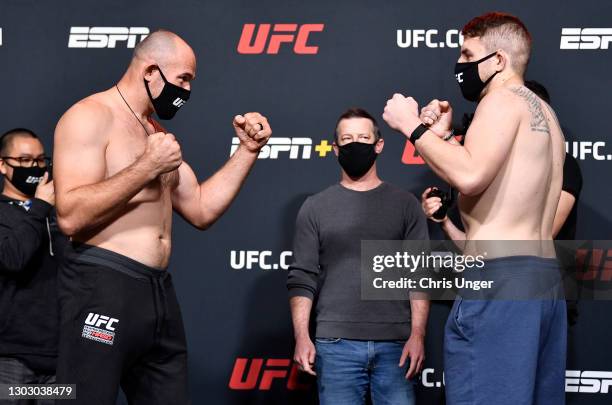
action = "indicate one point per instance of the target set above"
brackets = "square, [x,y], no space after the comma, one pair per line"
[149,71]
[380,144]
[500,60]
[335,146]
[3,167]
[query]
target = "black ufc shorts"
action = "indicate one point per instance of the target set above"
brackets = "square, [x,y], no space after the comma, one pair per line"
[120,325]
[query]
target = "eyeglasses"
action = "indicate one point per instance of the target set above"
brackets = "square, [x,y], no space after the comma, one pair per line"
[28,161]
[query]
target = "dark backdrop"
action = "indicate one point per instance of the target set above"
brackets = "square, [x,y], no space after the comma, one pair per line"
[232,312]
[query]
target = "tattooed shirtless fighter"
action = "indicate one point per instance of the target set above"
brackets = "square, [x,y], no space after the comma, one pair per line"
[509,175]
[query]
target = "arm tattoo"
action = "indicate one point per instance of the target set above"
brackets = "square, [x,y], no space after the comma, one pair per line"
[539,121]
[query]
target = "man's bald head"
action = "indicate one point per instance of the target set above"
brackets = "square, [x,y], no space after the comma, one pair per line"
[163,47]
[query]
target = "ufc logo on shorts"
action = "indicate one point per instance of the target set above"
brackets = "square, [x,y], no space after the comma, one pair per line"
[99,320]
[100,328]
[281,33]
[586,38]
[178,102]
[591,382]
[105,37]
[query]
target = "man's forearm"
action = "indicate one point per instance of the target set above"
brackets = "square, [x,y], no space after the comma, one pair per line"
[419,309]
[450,161]
[93,205]
[300,314]
[218,191]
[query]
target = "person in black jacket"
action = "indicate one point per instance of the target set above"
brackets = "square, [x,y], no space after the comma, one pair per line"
[30,242]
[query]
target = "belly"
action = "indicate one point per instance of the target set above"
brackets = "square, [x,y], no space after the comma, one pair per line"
[142,233]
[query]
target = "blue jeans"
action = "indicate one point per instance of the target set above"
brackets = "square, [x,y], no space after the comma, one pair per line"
[346,369]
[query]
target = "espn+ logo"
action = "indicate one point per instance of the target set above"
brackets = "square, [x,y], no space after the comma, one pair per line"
[271,37]
[105,37]
[295,148]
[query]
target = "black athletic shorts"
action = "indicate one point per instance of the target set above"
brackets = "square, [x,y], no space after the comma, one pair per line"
[120,325]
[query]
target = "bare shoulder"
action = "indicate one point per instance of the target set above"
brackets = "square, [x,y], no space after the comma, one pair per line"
[535,108]
[501,101]
[88,117]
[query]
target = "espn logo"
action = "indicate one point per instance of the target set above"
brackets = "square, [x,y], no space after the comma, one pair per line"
[105,37]
[590,382]
[281,34]
[586,38]
[257,376]
[276,146]
[412,39]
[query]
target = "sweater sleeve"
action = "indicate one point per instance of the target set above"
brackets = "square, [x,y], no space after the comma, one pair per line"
[18,244]
[303,274]
[416,222]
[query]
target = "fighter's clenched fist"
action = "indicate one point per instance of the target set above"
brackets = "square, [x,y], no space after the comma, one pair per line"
[163,152]
[438,116]
[402,114]
[253,130]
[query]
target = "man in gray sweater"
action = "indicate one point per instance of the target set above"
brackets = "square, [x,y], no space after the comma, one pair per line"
[360,346]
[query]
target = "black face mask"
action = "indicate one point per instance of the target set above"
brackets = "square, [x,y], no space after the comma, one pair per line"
[171,98]
[26,179]
[468,78]
[356,158]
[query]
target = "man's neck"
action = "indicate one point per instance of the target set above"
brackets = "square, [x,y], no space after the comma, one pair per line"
[12,192]
[368,181]
[135,96]
[510,80]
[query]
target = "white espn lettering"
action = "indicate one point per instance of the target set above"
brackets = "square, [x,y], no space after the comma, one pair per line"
[277,145]
[105,37]
[586,38]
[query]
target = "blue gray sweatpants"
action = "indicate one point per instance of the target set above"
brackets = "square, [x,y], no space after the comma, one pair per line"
[508,351]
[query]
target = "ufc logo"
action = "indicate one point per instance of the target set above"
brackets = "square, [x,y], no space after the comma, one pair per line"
[99,320]
[105,37]
[411,156]
[248,259]
[594,264]
[282,33]
[33,179]
[459,77]
[583,149]
[261,377]
[178,102]
[586,38]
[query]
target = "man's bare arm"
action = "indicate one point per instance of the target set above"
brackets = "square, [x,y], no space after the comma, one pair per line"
[202,204]
[85,198]
[566,203]
[300,314]
[472,167]
[305,352]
